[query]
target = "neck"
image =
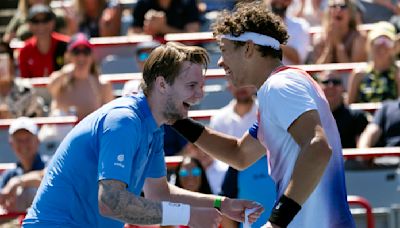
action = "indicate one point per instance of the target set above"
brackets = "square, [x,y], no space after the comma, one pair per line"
[335,105]
[155,108]
[268,67]
[382,64]
[43,44]
[243,108]
[26,165]
[81,73]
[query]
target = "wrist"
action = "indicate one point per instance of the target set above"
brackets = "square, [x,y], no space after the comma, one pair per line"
[219,202]
[284,211]
[175,214]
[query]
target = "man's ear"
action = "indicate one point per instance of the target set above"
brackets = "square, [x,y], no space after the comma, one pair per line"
[249,48]
[161,84]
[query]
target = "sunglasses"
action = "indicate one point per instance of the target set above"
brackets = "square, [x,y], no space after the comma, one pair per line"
[44,20]
[383,40]
[143,56]
[334,81]
[339,6]
[195,172]
[83,51]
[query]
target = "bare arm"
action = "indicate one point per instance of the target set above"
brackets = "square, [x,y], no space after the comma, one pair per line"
[117,203]
[370,136]
[239,153]
[314,156]
[353,87]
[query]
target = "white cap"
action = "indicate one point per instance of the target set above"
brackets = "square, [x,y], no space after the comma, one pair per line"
[23,123]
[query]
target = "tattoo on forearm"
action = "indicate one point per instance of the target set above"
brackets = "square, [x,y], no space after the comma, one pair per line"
[116,202]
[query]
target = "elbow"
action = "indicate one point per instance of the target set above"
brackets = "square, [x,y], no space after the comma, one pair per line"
[104,208]
[324,152]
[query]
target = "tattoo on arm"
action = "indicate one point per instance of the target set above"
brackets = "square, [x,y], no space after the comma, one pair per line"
[116,202]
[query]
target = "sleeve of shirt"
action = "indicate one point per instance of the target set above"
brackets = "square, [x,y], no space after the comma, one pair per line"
[23,63]
[119,142]
[138,14]
[288,98]
[379,117]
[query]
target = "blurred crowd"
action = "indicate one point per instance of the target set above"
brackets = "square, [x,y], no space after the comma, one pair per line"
[56,36]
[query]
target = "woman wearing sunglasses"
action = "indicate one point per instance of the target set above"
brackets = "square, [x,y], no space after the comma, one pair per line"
[77,84]
[340,41]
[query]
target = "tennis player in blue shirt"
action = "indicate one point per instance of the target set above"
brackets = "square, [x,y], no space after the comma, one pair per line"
[99,170]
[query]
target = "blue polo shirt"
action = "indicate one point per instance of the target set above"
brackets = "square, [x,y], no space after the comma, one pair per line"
[38,164]
[119,141]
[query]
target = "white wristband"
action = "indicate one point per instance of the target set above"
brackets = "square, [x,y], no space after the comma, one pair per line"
[175,214]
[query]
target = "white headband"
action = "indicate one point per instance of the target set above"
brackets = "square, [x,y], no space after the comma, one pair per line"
[257,38]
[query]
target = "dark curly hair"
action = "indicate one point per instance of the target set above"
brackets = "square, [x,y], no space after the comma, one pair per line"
[252,17]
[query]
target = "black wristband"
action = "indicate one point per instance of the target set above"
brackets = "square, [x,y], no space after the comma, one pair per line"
[189,129]
[284,211]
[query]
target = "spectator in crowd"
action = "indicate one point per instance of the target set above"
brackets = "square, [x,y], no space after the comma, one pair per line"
[215,169]
[18,27]
[95,18]
[235,119]
[380,80]
[159,17]
[142,52]
[44,52]
[29,170]
[17,97]
[350,123]
[77,84]
[190,175]
[297,48]
[340,40]
[384,130]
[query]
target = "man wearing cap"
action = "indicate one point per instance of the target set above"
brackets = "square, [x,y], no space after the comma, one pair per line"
[28,172]
[295,127]
[44,52]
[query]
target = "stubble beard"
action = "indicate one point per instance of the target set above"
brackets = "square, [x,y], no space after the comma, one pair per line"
[171,112]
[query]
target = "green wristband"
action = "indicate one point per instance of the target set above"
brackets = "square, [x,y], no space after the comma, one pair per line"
[218,203]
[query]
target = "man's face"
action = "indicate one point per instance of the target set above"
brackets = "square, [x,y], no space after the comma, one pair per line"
[187,90]
[25,144]
[231,60]
[41,25]
[331,84]
[243,95]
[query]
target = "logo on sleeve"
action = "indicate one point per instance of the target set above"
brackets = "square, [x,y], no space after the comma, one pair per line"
[120,159]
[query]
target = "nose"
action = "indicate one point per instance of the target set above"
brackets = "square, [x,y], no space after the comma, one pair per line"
[220,62]
[199,93]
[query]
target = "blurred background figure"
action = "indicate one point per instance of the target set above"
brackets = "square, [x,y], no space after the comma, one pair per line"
[340,40]
[235,119]
[76,90]
[215,169]
[19,185]
[190,175]
[142,52]
[380,80]
[18,27]
[350,123]
[384,130]
[77,84]
[95,18]
[44,52]
[298,46]
[159,17]
[17,97]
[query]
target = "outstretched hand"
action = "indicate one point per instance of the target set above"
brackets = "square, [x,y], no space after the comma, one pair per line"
[235,209]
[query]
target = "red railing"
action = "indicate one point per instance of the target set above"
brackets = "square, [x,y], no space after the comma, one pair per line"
[361,201]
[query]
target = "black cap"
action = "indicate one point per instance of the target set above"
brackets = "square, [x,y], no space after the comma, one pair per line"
[40,9]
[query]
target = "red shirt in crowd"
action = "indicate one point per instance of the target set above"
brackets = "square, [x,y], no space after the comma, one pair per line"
[32,63]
